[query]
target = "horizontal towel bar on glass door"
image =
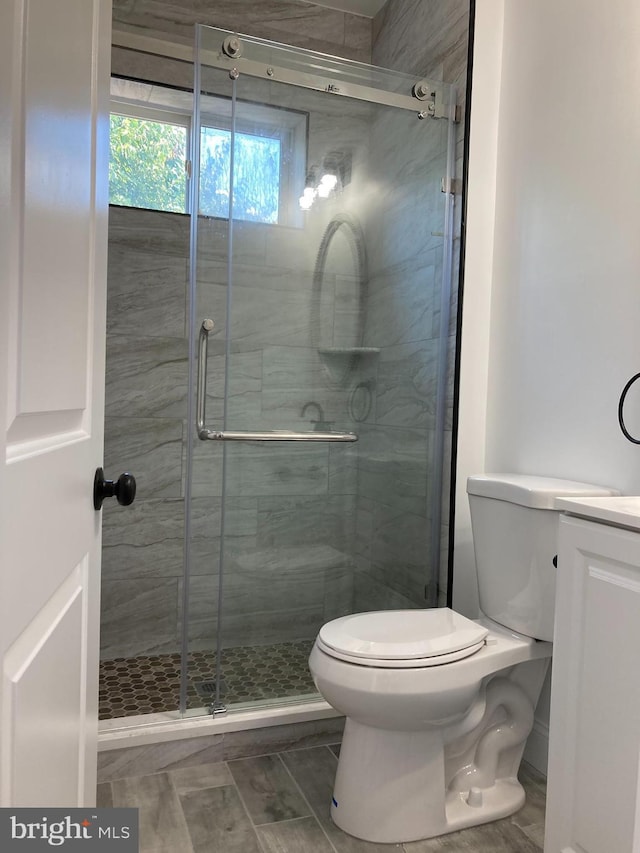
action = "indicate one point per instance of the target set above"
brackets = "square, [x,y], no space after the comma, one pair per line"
[246,435]
[273,435]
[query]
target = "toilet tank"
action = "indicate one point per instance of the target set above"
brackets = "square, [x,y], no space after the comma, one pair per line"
[515,531]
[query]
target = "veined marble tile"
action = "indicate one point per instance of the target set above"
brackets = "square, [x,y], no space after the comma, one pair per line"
[371,594]
[364,528]
[241,521]
[161,822]
[294,836]
[414,35]
[262,318]
[408,226]
[413,152]
[204,595]
[339,592]
[213,241]
[295,249]
[244,389]
[151,449]
[498,837]
[295,377]
[358,34]
[284,621]
[138,617]
[343,466]
[301,520]
[304,562]
[211,303]
[145,66]
[243,386]
[349,312]
[146,293]
[446,476]
[104,796]
[269,594]
[304,24]
[217,820]
[144,540]
[146,376]
[407,381]
[394,465]
[152,231]
[249,243]
[269,793]
[206,464]
[400,306]
[452,345]
[437,258]
[274,469]
[400,552]
[200,778]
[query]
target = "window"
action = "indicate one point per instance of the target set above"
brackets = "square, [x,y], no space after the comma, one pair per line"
[150,141]
[257,175]
[147,162]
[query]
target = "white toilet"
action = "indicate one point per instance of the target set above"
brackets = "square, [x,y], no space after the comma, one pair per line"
[438,706]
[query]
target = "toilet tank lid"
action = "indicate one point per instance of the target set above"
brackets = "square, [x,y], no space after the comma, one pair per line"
[531,491]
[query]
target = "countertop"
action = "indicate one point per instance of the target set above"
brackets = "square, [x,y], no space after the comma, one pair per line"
[622,510]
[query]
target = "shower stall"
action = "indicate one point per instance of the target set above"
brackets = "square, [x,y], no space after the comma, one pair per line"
[277,377]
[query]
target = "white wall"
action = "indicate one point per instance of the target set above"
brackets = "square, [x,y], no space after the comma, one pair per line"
[559,261]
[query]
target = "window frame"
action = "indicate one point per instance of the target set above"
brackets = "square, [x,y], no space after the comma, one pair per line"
[289,126]
[177,118]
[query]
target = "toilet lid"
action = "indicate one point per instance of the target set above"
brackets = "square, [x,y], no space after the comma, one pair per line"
[396,635]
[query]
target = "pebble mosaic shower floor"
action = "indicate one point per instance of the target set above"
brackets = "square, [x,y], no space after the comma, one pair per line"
[148,684]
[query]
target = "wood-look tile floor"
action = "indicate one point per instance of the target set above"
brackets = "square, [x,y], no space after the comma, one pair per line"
[280,804]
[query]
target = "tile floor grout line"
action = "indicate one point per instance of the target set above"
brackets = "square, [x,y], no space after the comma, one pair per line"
[246,810]
[313,813]
[169,769]
[286,820]
[278,752]
[329,745]
[184,817]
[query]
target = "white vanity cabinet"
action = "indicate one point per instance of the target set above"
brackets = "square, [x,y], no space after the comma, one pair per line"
[593,793]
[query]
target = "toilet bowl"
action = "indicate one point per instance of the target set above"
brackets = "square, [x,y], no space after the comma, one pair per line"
[438,707]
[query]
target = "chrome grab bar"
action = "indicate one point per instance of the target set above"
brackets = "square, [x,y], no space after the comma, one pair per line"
[241,435]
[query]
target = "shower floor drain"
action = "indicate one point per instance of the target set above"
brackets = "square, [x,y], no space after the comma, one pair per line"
[207,689]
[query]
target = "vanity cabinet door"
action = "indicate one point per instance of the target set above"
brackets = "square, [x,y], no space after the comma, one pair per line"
[593,794]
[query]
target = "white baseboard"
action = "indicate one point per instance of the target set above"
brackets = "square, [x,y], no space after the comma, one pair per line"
[536,752]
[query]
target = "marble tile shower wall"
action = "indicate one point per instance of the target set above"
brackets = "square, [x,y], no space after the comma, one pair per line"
[289,512]
[427,38]
[295,22]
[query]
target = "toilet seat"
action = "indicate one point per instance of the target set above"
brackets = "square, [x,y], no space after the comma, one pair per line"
[402,638]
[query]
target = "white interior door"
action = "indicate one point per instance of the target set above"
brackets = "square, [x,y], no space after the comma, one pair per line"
[54,67]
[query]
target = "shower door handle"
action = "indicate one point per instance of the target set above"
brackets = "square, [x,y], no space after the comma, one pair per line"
[246,435]
[273,435]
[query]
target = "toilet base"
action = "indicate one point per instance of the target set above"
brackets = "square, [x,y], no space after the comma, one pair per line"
[390,788]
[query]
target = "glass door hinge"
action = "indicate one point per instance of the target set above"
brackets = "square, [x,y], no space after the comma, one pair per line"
[451,185]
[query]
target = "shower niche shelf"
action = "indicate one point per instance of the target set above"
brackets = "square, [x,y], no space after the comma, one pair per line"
[340,362]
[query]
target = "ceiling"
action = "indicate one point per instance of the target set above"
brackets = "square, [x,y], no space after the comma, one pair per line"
[368,8]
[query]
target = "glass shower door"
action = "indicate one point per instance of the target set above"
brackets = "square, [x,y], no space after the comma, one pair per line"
[321,247]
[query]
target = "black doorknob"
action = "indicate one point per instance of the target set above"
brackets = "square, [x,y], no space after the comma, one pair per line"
[124,489]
